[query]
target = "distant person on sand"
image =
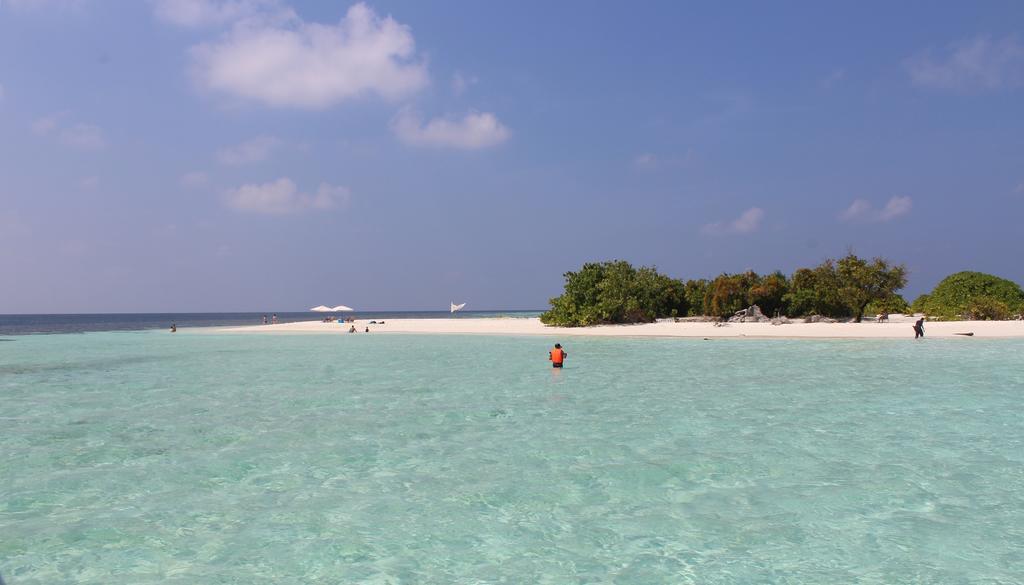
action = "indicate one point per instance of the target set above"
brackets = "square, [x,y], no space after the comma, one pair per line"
[274,319]
[557,356]
[367,329]
[174,328]
[352,329]
[919,328]
[264,319]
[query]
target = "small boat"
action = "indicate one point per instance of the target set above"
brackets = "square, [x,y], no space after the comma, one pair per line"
[457,308]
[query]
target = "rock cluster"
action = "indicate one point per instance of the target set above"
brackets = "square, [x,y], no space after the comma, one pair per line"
[819,319]
[750,315]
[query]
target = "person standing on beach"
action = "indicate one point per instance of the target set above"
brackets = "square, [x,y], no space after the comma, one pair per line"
[919,328]
[264,319]
[273,320]
[557,356]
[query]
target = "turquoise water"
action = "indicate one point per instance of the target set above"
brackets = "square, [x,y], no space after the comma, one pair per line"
[146,457]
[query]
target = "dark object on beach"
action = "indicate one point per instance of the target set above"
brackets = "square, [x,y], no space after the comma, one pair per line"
[968,334]
[919,328]
[174,328]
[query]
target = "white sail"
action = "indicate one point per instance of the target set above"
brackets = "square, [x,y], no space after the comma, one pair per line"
[457,307]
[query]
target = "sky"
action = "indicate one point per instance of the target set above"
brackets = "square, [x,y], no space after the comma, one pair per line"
[273,155]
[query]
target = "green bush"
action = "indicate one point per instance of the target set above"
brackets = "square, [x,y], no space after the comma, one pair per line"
[814,291]
[983,308]
[729,293]
[919,304]
[769,293]
[960,294]
[614,292]
[694,292]
[892,304]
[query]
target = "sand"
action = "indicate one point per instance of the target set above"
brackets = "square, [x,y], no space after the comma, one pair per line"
[899,327]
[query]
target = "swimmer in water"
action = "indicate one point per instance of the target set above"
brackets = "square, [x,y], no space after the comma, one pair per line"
[557,356]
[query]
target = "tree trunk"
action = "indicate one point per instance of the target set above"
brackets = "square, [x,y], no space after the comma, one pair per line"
[860,312]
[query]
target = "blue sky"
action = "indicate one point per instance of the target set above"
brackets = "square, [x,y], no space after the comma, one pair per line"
[188,155]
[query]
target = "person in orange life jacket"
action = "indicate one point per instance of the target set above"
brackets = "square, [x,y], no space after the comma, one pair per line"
[557,356]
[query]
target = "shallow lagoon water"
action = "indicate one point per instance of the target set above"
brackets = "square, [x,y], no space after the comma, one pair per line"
[145,457]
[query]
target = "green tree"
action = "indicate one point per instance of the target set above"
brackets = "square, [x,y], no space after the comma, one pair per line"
[862,281]
[614,292]
[964,294]
[769,293]
[892,304]
[694,292]
[815,291]
[984,308]
[729,293]
[920,303]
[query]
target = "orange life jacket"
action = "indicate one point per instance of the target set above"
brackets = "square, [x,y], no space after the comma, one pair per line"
[557,355]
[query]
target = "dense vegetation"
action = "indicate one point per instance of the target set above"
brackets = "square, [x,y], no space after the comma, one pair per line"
[972,295]
[616,292]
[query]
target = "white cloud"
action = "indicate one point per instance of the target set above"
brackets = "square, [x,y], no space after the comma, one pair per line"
[250,151]
[648,161]
[47,124]
[978,64]
[460,83]
[310,65]
[83,136]
[747,222]
[199,13]
[283,197]
[895,207]
[645,161]
[473,131]
[194,179]
[859,209]
[863,210]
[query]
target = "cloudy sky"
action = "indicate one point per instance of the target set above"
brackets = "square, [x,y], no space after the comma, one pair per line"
[189,155]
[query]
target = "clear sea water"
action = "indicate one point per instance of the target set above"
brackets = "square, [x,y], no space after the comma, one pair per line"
[145,457]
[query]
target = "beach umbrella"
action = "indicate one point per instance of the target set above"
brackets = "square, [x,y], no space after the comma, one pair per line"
[321,309]
[342,308]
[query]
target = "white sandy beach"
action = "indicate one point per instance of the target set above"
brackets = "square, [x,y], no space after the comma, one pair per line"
[898,328]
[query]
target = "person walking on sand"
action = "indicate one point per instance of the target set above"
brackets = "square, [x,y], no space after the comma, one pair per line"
[557,356]
[919,328]
[264,319]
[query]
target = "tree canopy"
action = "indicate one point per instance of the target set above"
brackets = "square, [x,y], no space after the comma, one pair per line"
[972,295]
[615,292]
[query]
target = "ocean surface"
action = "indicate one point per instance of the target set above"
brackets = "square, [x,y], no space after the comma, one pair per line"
[84,323]
[150,458]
